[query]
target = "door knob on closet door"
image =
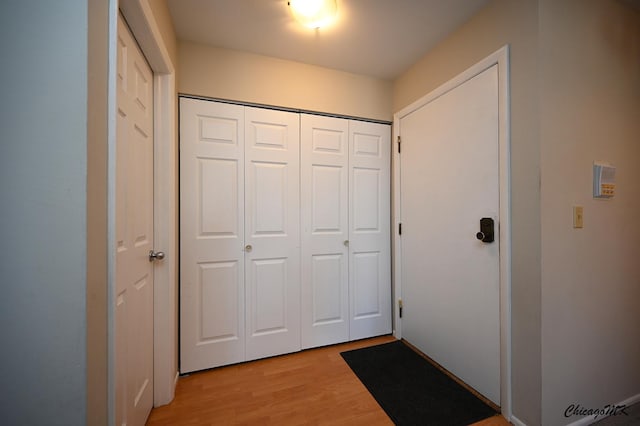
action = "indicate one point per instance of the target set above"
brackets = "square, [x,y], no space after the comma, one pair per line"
[346,243]
[155,255]
[248,248]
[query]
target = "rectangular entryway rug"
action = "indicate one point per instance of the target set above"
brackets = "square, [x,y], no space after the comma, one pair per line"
[411,390]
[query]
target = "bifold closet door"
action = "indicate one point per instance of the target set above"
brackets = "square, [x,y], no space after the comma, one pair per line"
[272,232]
[369,229]
[252,285]
[239,233]
[346,259]
[325,230]
[212,261]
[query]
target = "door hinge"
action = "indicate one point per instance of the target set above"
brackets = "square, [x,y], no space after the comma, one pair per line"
[400,308]
[399,142]
[400,229]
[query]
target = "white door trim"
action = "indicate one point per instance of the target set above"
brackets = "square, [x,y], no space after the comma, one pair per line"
[501,58]
[142,23]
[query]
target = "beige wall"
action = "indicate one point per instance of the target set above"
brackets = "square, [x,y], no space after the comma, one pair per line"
[590,110]
[514,23]
[228,74]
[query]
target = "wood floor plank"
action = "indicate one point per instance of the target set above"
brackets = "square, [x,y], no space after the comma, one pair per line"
[312,387]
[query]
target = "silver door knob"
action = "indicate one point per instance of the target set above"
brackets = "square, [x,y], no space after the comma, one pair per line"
[346,243]
[248,248]
[155,255]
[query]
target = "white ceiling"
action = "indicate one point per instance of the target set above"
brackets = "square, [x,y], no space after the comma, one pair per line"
[379,38]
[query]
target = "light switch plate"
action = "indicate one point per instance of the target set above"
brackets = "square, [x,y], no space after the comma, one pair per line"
[578,217]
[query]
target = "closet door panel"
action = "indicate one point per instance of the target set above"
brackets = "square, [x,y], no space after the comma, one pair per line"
[369,230]
[272,226]
[325,204]
[212,314]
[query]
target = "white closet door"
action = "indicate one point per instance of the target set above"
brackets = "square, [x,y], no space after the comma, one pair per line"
[212,289]
[325,254]
[369,229]
[272,226]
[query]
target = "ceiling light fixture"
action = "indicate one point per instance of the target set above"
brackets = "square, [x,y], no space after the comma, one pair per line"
[314,13]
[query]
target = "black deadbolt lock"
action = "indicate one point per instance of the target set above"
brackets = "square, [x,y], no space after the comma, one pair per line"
[486,230]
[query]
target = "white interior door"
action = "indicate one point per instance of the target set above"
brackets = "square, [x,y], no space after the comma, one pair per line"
[212,289]
[450,279]
[325,231]
[272,226]
[134,233]
[369,229]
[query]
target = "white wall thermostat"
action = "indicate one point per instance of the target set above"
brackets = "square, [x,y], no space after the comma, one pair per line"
[604,180]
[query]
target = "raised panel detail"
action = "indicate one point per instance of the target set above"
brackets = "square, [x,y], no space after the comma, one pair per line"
[218,302]
[326,199]
[141,338]
[269,302]
[366,284]
[327,141]
[326,282]
[142,89]
[122,154]
[141,189]
[141,283]
[122,63]
[270,202]
[366,199]
[368,145]
[218,130]
[120,355]
[140,393]
[218,197]
[270,136]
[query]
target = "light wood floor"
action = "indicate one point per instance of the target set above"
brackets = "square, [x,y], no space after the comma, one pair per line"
[313,387]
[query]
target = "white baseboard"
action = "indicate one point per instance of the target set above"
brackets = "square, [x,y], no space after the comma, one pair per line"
[583,421]
[590,419]
[516,421]
[175,381]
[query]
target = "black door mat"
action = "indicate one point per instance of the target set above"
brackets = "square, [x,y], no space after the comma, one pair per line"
[411,390]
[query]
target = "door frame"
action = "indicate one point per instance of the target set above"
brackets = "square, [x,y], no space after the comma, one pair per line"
[142,23]
[500,58]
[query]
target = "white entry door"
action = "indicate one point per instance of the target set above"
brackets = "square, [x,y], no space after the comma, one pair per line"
[134,233]
[272,232]
[450,279]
